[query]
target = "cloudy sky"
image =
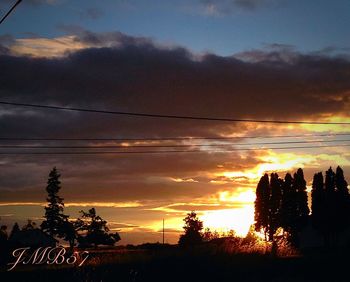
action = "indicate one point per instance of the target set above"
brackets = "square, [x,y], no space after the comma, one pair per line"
[241,59]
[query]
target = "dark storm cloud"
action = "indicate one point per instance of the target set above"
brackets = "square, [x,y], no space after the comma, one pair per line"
[134,74]
[118,178]
[113,39]
[6,41]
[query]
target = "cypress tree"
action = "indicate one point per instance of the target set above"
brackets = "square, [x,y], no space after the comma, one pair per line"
[330,204]
[342,201]
[330,207]
[275,204]
[302,206]
[289,208]
[261,204]
[318,204]
[341,184]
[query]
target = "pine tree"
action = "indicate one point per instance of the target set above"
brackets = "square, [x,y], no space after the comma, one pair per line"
[54,216]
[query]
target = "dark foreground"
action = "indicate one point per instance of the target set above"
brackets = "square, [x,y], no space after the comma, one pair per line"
[191,265]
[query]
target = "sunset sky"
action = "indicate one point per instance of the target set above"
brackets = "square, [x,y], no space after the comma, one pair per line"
[241,59]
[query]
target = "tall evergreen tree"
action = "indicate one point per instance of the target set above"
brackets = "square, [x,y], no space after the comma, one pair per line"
[341,184]
[289,208]
[54,216]
[330,205]
[330,214]
[275,204]
[330,181]
[302,205]
[342,220]
[262,205]
[300,209]
[318,204]
[281,203]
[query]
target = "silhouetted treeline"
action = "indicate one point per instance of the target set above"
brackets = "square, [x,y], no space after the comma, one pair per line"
[283,203]
[330,204]
[88,230]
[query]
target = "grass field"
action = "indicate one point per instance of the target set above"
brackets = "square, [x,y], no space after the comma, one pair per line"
[197,264]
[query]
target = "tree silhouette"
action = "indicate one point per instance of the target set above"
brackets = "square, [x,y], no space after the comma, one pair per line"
[330,205]
[341,184]
[318,204]
[281,203]
[262,205]
[193,230]
[30,225]
[275,204]
[54,217]
[3,243]
[95,230]
[330,214]
[3,233]
[303,210]
[69,232]
[15,229]
[342,220]
[289,208]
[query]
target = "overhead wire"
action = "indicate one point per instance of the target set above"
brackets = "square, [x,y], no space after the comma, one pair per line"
[156,115]
[167,151]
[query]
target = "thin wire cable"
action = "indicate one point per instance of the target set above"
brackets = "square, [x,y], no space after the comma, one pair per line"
[167,151]
[174,138]
[168,116]
[166,146]
[10,11]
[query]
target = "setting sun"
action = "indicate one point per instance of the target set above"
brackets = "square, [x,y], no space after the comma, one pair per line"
[238,219]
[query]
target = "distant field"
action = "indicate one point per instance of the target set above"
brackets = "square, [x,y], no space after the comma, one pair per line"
[172,264]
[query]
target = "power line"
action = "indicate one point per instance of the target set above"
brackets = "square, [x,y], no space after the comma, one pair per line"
[166,146]
[167,151]
[10,11]
[168,116]
[174,138]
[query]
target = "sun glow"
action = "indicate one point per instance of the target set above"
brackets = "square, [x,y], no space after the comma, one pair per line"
[239,219]
[271,162]
[243,197]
